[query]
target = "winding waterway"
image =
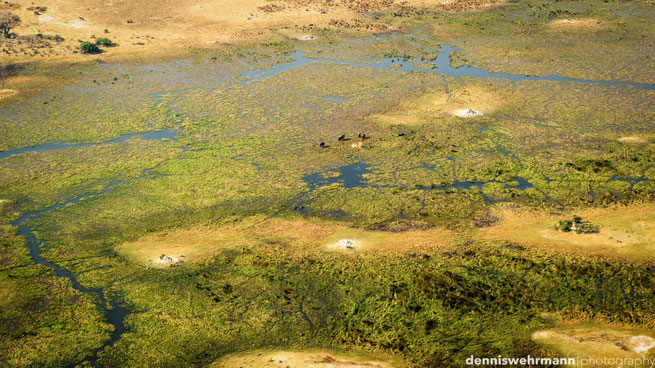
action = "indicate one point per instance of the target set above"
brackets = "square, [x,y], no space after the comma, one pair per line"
[116,313]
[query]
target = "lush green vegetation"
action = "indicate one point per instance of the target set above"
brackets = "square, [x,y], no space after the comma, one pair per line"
[432,309]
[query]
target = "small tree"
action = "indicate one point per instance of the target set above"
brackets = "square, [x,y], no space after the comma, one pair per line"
[8,21]
[89,48]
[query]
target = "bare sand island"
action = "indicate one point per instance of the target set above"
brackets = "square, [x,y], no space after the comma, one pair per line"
[632,139]
[197,244]
[5,93]
[625,231]
[576,22]
[596,341]
[290,359]
[470,101]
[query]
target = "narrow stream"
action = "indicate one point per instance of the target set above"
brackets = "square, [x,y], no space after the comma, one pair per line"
[115,314]
[156,135]
[441,65]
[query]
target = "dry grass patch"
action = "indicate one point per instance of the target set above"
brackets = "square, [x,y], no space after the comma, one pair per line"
[624,231]
[183,246]
[141,27]
[632,139]
[461,5]
[592,340]
[5,93]
[350,239]
[200,243]
[439,104]
[584,24]
[304,359]
[18,87]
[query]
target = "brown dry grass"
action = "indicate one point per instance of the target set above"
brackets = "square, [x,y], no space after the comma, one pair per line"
[168,26]
[6,93]
[439,104]
[576,23]
[200,243]
[18,87]
[632,139]
[304,359]
[625,231]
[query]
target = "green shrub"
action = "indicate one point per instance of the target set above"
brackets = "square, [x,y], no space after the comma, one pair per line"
[587,228]
[89,48]
[104,41]
[565,225]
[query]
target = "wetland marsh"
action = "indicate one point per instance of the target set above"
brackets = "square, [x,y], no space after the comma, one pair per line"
[380,189]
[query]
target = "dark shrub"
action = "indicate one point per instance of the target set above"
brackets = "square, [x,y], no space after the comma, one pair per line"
[565,225]
[104,41]
[89,48]
[587,228]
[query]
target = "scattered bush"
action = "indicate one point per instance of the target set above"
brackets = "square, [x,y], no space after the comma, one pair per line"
[104,41]
[565,225]
[89,48]
[576,224]
[56,38]
[587,228]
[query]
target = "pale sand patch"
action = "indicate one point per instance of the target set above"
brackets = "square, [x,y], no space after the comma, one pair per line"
[626,231]
[48,19]
[307,359]
[346,244]
[596,341]
[168,261]
[632,139]
[306,38]
[352,239]
[575,22]
[467,102]
[5,93]
[467,113]
[641,344]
